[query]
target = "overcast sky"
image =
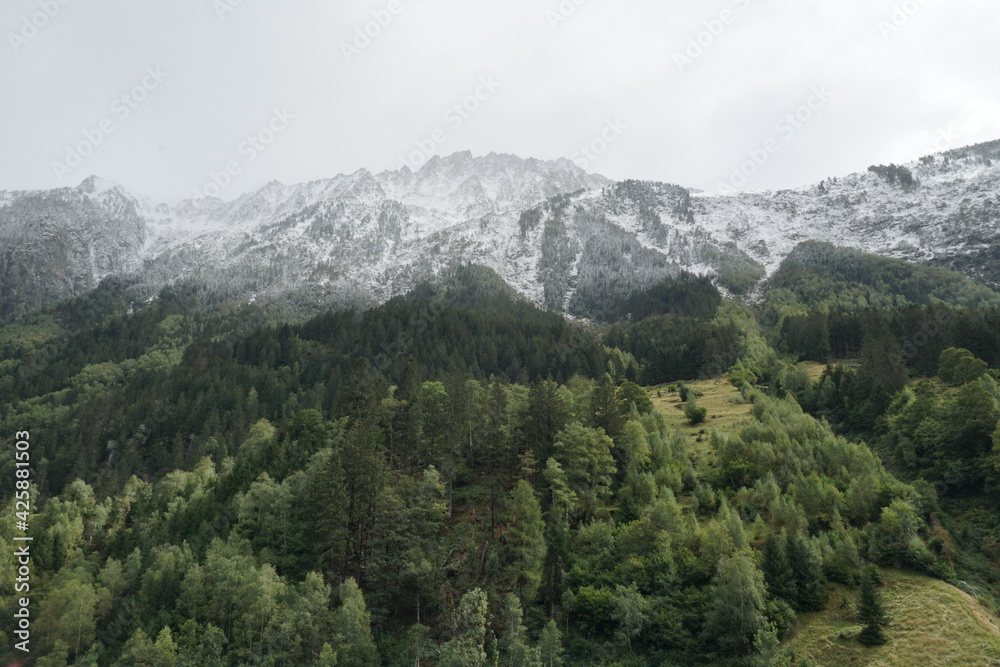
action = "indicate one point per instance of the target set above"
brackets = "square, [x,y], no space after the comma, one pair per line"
[658,89]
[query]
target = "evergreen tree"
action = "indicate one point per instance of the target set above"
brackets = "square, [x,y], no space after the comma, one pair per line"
[550,645]
[515,650]
[364,476]
[807,569]
[547,415]
[606,408]
[693,412]
[352,625]
[585,457]
[871,610]
[778,570]
[737,622]
[327,497]
[466,648]
[526,541]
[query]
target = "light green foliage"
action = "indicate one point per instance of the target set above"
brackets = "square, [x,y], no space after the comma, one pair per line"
[515,650]
[143,652]
[631,611]
[352,625]
[526,540]
[466,648]
[959,366]
[738,622]
[67,614]
[550,645]
[585,456]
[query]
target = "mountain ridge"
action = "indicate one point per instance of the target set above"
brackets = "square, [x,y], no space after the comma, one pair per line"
[562,237]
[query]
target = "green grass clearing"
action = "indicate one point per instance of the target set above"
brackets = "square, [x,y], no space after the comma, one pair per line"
[934,624]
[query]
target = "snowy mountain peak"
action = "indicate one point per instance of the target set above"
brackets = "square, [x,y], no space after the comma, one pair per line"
[565,238]
[95,185]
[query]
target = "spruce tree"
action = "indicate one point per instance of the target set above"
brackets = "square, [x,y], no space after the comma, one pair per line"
[807,569]
[777,569]
[871,610]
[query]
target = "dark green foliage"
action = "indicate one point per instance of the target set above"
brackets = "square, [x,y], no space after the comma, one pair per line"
[807,573]
[894,175]
[685,296]
[494,487]
[826,277]
[778,574]
[871,612]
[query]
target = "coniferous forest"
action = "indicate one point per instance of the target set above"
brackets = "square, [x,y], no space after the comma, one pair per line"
[459,478]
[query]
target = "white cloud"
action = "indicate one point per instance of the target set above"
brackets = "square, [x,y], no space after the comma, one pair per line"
[608,59]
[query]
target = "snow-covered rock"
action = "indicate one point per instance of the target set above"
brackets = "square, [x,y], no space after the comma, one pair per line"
[562,237]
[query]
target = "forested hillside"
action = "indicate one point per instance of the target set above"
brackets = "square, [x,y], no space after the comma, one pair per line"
[457,478]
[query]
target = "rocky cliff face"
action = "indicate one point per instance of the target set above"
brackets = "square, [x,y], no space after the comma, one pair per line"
[61,243]
[564,238]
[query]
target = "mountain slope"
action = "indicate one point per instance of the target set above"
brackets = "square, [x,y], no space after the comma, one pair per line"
[572,241]
[934,624]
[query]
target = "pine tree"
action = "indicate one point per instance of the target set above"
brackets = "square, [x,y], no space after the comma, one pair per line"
[526,541]
[547,415]
[777,570]
[807,568]
[514,648]
[467,645]
[871,611]
[550,645]
[328,518]
[738,620]
[606,408]
[352,623]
